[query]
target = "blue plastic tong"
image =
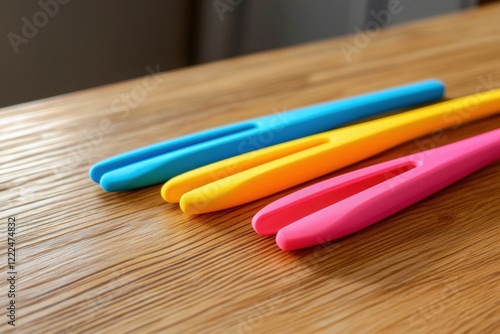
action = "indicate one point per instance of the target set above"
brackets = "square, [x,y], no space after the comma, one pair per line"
[160,162]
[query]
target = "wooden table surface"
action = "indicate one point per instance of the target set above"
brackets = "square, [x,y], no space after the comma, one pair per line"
[95,262]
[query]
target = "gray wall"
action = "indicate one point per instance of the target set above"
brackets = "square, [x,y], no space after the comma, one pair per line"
[88,43]
[94,42]
[425,8]
[255,25]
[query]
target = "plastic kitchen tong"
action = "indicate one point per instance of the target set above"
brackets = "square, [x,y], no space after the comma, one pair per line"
[254,175]
[348,203]
[159,162]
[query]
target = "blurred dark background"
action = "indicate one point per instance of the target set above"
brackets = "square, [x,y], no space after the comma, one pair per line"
[51,47]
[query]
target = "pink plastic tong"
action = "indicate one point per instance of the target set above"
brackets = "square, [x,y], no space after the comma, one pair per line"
[345,204]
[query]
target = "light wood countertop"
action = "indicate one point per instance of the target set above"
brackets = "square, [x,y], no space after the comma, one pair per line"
[95,262]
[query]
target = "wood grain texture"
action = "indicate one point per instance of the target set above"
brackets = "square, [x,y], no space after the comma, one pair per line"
[95,262]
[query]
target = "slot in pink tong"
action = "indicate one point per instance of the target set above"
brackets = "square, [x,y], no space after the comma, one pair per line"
[345,204]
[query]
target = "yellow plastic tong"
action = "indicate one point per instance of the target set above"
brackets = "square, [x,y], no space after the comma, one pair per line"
[260,173]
